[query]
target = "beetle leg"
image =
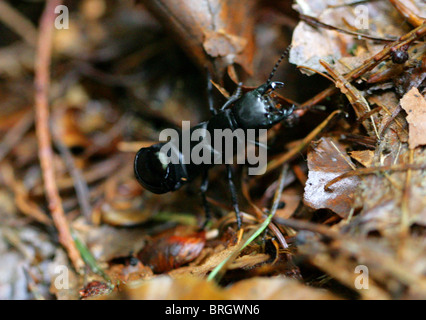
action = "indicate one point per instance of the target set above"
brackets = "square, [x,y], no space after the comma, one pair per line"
[203,189]
[234,196]
[210,93]
[235,96]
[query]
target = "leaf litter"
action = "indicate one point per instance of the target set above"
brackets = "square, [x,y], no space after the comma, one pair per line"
[353,195]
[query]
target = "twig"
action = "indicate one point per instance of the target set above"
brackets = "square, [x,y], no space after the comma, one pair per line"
[42,82]
[372,170]
[357,100]
[315,23]
[369,64]
[412,18]
[392,118]
[96,172]
[80,184]
[347,4]
[306,225]
[305,142]
[392,114]
[18,23]
[405,223]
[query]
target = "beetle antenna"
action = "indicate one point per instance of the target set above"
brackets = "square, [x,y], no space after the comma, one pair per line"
[284,54]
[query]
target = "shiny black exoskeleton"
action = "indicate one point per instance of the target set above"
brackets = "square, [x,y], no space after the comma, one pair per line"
[252,110]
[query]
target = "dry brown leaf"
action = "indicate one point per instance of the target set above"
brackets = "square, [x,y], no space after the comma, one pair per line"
[415,106]
[106,242]
[249,261]
[218,31]
[365,157]
[381,195]
[188,288]
[389,272]
[309,44]
[291,196]
[276,288]
[327,160]
[213,259]
[167,288]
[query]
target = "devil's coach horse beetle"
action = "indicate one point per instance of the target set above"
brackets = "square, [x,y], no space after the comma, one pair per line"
[252,110]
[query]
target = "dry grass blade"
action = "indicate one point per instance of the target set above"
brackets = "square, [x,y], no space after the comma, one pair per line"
[18,23]
[218,272]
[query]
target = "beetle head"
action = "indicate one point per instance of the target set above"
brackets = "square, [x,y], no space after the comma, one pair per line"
[256,109]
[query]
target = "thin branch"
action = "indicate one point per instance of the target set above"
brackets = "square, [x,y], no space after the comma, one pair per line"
[405,210]
[80,184]
[42,83]
[300,147]
[18,23]
[412,18]
[372,170]
[316,23]
[370,63]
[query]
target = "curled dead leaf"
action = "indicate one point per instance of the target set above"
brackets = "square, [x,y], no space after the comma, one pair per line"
[327,160]
[215,33]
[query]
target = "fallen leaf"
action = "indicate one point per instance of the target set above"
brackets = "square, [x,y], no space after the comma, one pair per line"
[194,288]
[327,160]
[167,288]
[365,157]
[415,106]
[276,288]
[215,33]
[310,44]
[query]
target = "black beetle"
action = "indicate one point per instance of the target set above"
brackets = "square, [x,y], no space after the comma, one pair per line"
[252,110]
